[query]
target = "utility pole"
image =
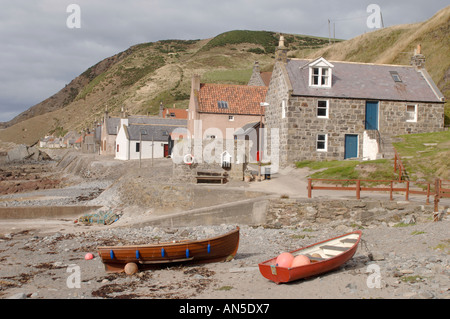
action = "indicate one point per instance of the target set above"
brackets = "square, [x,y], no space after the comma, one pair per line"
[334,32]
[329,32]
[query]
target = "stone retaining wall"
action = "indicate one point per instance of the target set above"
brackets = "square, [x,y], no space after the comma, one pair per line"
[291,212]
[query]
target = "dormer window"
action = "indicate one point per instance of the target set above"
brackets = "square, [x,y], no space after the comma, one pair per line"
[320,77]
[320,73]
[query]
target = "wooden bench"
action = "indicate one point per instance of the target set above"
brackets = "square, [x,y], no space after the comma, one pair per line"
[211,176]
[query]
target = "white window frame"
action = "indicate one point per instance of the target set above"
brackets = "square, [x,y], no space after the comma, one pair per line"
[324,73]
[325,149]
[283,109]
[323,77]
[411,119]
[327,109]
[231,118]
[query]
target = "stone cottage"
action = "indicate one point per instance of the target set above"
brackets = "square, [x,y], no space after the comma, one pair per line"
[327,110]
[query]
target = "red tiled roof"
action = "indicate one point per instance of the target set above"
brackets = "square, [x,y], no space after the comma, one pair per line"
[178,113]
[241,99]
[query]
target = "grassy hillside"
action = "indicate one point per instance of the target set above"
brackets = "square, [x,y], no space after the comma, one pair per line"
[145,75]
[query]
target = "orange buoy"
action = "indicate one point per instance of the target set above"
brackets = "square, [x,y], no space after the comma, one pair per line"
[131,268]
[285,260]
[300,260]
[88,256]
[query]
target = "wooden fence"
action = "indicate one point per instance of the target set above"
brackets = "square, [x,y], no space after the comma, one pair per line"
[399,168]
[438,189]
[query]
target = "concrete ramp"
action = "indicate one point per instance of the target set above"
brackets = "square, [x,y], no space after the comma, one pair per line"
[249,212]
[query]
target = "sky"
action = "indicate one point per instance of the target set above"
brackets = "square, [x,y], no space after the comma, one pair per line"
[45,44]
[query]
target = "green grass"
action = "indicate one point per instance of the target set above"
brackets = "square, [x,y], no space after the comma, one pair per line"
[227,76]
[373,170]
[266,39]
[447,113]
[426,155]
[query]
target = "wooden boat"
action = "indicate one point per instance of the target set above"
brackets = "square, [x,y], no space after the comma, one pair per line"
[220,248]
[333,253]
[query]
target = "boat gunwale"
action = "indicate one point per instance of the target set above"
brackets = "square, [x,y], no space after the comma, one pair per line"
[177,243]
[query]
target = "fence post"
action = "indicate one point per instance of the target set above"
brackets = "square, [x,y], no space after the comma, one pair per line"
[309,187]
[428,193]
[391,190]
[407,190]
[395,163]
[358,189]
[436,196]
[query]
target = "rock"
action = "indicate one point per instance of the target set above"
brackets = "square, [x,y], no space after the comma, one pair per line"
[19,295]
[409,220]
[18,154]
[406,271]
[425,295]
[376,256]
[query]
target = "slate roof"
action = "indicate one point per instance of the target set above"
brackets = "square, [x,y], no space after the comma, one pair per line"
[241,99]
[247,129]
[113,123]
[158,132]
[365,81]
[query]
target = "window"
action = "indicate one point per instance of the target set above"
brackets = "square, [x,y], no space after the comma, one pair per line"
[138,147]
[321,143]
[320,76]
[230,118]
[222,104]
[117,148]
[322,108]
[395,76]
[315,76]
[283,109]
[411,113]
[320,73]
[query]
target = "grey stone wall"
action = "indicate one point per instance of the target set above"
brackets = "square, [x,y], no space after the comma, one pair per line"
[304,212]
[278,91]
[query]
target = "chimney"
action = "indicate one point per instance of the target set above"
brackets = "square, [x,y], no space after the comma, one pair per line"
[281,54]
[106,116]
[256,68]
[161,109]
[196,82]
[418,59]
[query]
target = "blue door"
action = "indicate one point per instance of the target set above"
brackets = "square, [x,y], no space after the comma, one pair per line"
[371,115]
[351,146]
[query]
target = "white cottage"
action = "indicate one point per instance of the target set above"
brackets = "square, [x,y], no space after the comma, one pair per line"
[144,141]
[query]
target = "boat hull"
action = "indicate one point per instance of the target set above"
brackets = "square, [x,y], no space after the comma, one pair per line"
[217,249]
[318,266]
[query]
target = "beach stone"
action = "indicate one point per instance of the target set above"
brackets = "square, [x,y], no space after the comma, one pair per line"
[376,256]
[407,271]
[425,295]
[20,295]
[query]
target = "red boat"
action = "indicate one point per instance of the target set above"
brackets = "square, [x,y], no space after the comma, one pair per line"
[324,256]
[220,248]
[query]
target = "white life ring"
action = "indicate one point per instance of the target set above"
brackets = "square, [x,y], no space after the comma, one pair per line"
[188,159]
